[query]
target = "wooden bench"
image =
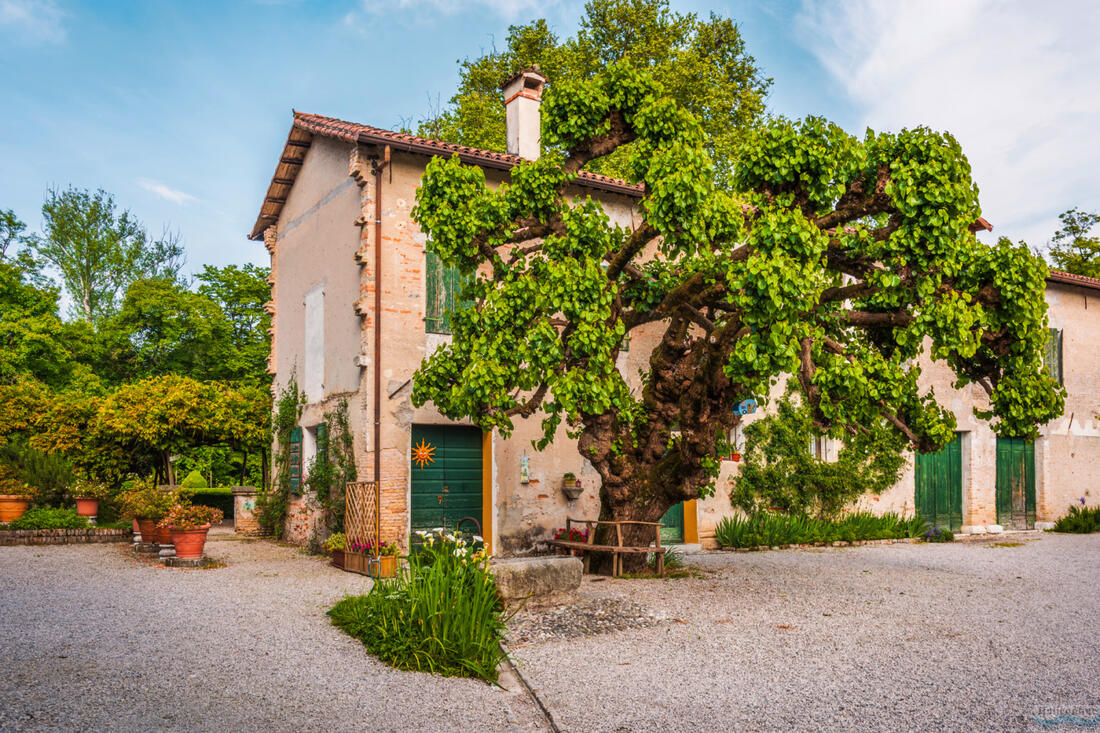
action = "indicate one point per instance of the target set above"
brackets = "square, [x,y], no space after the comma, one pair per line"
[618,549]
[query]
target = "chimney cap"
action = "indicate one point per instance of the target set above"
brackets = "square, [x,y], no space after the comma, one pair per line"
[532,71]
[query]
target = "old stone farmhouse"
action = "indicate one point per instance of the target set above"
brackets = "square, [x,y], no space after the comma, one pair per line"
[358,302]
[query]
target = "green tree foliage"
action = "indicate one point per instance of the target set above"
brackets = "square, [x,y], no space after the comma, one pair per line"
[701,62]
[241,292]
[1072,249]
[32,337]
[164,328]
[98,251]
[834,260]
[779,471]
[11,231]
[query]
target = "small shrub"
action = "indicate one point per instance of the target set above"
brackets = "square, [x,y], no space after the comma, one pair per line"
[673,561]
[771,529]
[441,614]
[1080,520]
[335,541]
[41,517]
[193,480]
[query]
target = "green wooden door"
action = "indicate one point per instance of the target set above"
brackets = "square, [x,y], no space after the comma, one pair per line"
[447,488]
[939,486]
[1015,483]
[673,531]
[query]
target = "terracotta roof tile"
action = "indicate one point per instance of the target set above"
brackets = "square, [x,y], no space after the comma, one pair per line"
[1068,278]
[307,125]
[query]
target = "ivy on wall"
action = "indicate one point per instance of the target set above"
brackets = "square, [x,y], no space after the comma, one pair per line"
[333,466]
[272,501]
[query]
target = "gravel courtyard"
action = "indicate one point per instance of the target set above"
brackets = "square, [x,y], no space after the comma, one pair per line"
[968,636]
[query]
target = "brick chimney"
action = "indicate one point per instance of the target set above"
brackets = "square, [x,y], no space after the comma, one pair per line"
[522,97]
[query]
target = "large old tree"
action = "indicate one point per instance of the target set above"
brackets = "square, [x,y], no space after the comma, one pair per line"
[832,259]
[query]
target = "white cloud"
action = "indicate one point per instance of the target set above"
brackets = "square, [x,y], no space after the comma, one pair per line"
[1015,82]
[166,193]
[33,20]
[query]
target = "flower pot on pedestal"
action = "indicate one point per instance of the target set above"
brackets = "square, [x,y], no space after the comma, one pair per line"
[189,542]
[87,506]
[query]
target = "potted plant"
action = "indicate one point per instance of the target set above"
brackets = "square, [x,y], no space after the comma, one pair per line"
[335,546]
[15,498]
[141,500]
[188,526]
[88,494]
[571,487]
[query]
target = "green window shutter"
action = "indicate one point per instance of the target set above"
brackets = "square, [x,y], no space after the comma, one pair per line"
[295,461]
[442,288]
[1053,356]
[435,305]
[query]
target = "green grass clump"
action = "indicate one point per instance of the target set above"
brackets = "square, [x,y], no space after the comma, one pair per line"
[42,517]
[1080,520]
[771,529]
[441,614]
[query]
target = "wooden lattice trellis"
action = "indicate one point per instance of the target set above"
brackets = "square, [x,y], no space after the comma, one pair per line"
[362,522]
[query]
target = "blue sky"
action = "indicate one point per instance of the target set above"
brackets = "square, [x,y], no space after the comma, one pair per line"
[180,109]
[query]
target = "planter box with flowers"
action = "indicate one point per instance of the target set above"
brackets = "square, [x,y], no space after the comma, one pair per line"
[571,535]
[359,558]
[335,547]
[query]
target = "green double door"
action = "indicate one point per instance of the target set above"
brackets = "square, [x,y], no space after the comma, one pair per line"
[1015,483]
[446,478]
[939,486]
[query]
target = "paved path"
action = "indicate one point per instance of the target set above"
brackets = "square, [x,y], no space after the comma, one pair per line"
[901,637]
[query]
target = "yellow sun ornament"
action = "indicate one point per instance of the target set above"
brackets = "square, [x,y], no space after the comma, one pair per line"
[423,453]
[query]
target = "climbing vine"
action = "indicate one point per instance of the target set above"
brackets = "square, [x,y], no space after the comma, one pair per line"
[272,501]
[333,466]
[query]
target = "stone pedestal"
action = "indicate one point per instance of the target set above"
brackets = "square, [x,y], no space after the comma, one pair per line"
[168,550]
[184,562]
[146,548]
[245,516]
[540,581]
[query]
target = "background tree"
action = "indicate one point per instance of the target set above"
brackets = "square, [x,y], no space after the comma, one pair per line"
[701,62]
[780,471]
[1071,247]
[833,260]
[164,328]
[99,251]
[11,231]
[241,292]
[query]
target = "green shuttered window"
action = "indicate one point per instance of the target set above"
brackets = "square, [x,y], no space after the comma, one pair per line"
[295,467]
[441,293]
[1053,356]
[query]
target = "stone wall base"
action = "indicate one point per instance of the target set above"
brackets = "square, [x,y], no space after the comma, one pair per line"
[9,537]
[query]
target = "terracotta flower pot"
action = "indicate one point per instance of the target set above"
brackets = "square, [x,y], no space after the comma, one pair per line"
[12,506]
[163,536]
[189,542]
[148,528]
[86,507]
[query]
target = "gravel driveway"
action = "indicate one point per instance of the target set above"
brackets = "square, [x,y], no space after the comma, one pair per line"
[93,640]
[899,637]
[963,636]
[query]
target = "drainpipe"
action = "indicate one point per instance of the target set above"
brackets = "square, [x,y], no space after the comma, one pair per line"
[377,169]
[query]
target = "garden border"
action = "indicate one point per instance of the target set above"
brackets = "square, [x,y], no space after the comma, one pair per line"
[811,545]
[90,535]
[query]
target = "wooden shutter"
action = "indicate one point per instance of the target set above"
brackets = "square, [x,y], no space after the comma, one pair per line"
[434,294]
[295,462]
[1053,356]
